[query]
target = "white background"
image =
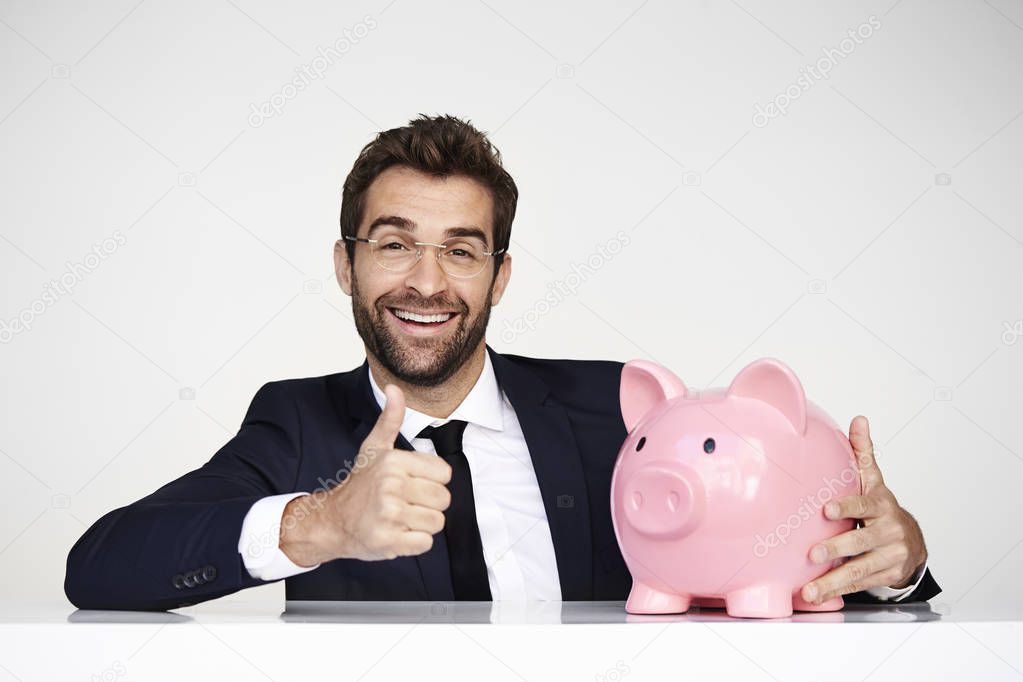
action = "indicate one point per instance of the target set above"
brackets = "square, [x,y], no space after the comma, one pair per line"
[824,238]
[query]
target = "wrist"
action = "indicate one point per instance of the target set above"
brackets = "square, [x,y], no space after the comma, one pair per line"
[299,538]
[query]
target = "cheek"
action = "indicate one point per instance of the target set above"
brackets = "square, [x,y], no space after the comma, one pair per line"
[475,296]
[372,283]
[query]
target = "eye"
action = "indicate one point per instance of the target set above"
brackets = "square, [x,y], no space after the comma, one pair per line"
[708,445]
[641,443]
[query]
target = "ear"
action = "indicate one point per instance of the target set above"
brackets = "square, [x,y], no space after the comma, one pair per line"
[772,382]
[644,385]
[342,267]
[501,279]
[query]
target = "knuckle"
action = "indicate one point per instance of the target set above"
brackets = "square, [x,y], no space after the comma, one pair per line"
[392,484]
[389,509]
[856,573]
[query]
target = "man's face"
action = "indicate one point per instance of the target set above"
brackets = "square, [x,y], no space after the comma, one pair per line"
[421,353]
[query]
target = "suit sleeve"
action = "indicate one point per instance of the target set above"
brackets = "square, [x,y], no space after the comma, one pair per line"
[179,545]
[927,588]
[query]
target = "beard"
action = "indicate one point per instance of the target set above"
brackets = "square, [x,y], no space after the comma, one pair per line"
[419,361]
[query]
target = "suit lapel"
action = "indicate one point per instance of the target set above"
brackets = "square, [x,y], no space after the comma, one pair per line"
[556,462]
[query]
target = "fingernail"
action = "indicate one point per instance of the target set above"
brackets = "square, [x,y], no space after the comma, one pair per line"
[811,593]
[818,554]
[831,510]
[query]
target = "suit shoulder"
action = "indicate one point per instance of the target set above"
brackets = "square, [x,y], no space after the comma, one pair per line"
[302,388]
[583,382]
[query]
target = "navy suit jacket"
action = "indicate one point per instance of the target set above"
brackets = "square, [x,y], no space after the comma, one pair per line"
[179,545]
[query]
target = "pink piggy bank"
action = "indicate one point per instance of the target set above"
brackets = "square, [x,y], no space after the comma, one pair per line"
[718,497]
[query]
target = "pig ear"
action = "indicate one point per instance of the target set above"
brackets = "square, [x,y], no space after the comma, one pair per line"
[772,381]
[644,385]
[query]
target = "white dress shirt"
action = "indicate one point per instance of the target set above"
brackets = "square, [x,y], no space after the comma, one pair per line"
[516,537]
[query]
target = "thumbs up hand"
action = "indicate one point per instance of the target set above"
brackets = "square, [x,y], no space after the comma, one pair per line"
[390,506]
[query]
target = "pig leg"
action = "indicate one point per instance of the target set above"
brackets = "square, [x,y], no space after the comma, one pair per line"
[800,604]
[768,600]
[645,599]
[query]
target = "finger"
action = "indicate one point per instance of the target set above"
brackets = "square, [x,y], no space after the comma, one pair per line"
[875,569]
[425,465]
[388,424]
[423,519]
[863,448]
[848,544]
[413,542]
[855,507]
[427,493]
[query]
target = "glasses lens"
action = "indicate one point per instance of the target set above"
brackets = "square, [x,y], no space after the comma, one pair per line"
[394,252]
[463,256]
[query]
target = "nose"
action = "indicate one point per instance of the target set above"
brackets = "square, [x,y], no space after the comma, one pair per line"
[664,500]
[426,276]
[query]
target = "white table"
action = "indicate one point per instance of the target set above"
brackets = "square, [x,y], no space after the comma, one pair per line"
[238,640]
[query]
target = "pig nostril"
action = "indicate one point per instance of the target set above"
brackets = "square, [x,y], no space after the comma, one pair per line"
[637,500]
[673,500]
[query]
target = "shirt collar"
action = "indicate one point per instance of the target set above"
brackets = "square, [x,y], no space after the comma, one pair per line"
[483,405]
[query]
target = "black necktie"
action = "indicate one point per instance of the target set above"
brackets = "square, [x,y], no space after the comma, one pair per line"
[462,533]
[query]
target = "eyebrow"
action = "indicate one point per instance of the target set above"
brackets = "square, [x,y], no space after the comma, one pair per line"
[410,226]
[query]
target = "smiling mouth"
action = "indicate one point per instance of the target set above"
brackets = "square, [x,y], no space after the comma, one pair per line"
[410,319]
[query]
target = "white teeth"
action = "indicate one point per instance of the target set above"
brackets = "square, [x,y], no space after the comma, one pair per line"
[416,317]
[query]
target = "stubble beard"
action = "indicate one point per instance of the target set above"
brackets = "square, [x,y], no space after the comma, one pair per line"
[419,361]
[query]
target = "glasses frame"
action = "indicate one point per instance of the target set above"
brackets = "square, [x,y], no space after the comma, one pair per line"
[419,256]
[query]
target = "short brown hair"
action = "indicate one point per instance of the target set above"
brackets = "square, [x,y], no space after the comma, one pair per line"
[442,146]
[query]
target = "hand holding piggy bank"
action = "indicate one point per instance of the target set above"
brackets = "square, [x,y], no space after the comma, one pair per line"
[719,497]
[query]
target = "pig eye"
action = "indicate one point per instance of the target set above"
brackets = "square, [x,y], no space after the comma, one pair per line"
[641,443]
[708,445]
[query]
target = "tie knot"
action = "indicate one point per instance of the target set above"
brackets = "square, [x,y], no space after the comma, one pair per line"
[447,438]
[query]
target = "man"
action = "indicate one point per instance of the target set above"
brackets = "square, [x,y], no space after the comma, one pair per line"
[439,469]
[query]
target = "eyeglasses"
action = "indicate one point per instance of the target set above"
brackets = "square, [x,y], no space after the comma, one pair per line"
[461,257]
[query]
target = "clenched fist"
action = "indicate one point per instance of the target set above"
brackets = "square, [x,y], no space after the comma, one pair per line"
[390,507]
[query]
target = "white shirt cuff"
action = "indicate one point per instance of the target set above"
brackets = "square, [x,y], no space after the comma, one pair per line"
[260,539]
[896,594]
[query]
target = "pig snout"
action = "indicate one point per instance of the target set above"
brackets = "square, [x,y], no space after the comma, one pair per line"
[663,500]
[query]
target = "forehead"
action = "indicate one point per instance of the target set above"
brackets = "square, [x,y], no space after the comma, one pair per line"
[432,203]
